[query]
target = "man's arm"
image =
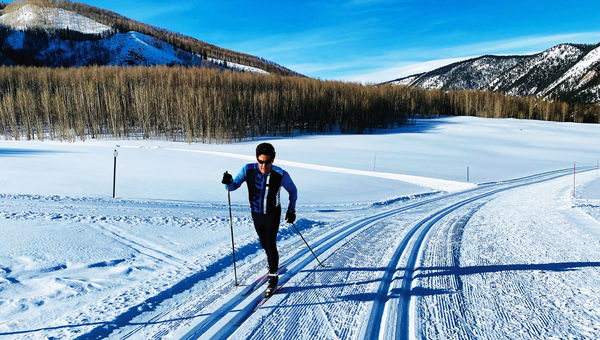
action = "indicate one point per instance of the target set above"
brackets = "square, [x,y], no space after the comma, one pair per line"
[238,180]
[290,187]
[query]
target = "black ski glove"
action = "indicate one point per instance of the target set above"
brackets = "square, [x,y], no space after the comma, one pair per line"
[227,178]
[290,216]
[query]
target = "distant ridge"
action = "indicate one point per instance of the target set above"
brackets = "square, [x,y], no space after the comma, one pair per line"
[568,72]
[64,33]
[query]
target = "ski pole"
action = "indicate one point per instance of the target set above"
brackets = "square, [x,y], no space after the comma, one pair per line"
[232,243]
[322,266]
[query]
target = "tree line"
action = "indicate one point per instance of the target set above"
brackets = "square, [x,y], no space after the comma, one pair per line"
[209,105]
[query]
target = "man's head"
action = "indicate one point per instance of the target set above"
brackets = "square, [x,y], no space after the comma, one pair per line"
[265,155]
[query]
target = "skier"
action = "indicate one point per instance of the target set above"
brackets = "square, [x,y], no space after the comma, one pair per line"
[264,182]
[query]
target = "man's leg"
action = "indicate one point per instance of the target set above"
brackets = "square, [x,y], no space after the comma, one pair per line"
[266,227]
[270,240]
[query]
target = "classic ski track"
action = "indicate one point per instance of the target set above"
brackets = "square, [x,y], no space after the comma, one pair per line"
[244,313]
[342,232]
[443,252]
[204,328]
[286,314]
[405,318]
[342,289]
[172,324]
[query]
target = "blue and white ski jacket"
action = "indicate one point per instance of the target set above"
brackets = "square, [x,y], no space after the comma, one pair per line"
[263,190]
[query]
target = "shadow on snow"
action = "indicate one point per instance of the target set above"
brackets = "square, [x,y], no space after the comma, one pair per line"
[105,328]
[103,324]
[434,272]
[5,152]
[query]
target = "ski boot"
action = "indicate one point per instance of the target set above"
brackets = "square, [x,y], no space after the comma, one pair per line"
[273,280]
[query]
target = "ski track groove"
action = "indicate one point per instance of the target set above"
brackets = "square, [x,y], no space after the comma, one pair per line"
[321,246]
[147,249]
[293,311]
[403,321]
[441,252]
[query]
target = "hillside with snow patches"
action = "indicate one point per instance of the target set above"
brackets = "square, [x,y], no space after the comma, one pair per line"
[56,37]
[567,71]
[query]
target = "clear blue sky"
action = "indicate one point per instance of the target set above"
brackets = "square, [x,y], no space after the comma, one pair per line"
[371,40]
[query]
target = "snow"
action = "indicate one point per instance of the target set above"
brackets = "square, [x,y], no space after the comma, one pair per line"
[515,269]
[137,48]
[15,40]
[406,81]
[433,82]
[156,261]
[130,48]
[554,56]
[477,73]
[562,69]
[593,92]
[571,79]
[591,190]
[239,67]
[29,16]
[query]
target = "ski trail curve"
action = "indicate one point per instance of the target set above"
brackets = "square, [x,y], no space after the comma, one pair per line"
[404,323]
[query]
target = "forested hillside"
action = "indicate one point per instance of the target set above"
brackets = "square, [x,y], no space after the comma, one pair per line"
[121,24]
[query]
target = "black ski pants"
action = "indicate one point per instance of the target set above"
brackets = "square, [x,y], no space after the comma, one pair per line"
[267,226]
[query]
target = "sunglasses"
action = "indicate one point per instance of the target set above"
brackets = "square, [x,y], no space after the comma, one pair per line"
[268,161]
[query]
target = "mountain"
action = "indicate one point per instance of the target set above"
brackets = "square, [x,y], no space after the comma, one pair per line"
[59,33]
[568,72]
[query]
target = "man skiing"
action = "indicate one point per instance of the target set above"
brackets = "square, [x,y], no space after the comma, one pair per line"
[264,182]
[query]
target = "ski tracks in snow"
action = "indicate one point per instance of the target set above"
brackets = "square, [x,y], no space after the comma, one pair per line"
[338,302]
[394,274]
[404,293]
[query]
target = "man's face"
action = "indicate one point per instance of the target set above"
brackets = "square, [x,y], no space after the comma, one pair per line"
[264,163]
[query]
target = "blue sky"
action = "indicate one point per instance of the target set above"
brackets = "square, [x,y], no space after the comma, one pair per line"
[371,40]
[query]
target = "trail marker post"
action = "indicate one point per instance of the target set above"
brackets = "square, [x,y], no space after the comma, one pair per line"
[467,173]
[115,172]
[574,167]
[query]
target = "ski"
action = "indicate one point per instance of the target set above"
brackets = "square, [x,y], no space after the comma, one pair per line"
[258,282]
[258,301]
[266,298]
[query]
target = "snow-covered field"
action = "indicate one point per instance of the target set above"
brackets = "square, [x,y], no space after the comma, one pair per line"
[512,259]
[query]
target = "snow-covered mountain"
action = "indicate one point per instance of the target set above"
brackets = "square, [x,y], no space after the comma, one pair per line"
[32,33]
[475,73]
[567,71]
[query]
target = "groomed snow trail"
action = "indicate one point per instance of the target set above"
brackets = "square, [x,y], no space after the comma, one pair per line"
[474,264]
[378,283]
[527,267]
